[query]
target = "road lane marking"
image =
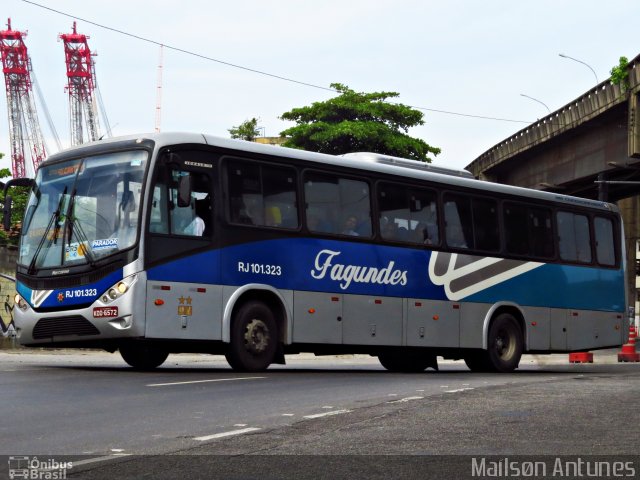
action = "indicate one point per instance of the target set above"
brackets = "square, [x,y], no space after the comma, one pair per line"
[203,381]
[230,433]
[326,414]
[406,399]
[458,390]
[105,458]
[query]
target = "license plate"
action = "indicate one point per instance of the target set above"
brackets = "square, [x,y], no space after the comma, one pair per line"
[105,312]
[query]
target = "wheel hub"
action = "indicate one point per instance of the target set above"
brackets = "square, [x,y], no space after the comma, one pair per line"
[504,345]
[256,336]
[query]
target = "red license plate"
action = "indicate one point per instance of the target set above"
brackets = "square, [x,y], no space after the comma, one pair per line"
[105,312]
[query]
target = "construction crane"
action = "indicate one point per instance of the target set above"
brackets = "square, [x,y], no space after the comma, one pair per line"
[83,111]
[24,127]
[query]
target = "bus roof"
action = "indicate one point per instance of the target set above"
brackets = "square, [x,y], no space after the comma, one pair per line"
[359,160]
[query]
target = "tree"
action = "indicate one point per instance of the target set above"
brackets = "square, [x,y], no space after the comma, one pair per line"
[19,197]
[620,74]
[355,121]
[247,130]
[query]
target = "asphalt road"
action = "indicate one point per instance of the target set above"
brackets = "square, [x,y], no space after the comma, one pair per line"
[335,417]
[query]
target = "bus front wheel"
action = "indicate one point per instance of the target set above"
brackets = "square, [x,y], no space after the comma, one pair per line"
[143,356]
[254,338]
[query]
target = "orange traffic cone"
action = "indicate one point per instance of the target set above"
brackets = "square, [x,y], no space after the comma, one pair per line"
[628,352]
[581,357]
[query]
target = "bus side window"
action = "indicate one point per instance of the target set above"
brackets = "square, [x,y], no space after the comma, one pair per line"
[486,229]
[573,237]
[457,217]
[262,195]
[605,243]
[159,222]
[332,202]
[168,217]
[424,217]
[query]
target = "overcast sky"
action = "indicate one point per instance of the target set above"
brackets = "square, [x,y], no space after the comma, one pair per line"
[469,57]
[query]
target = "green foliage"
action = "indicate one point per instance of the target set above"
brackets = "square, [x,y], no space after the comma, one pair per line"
[355,121]
[620,74]
[19,196]
[247,130]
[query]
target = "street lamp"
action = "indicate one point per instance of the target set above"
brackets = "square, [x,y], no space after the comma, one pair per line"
[536,100]
[580,61]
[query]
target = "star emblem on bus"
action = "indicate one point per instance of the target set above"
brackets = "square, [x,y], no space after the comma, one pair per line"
[60,297]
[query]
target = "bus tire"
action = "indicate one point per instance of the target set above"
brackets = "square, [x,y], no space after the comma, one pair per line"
[143,356]
[505,344]
[254,338]
[477,361]
[408,362]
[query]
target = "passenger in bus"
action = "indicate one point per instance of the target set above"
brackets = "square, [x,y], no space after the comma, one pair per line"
[389,229]
[349,227]
[197,226]
[422,235]
[273,217]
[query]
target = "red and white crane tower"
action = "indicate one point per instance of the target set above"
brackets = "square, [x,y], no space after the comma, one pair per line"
[24,127]
[81,76]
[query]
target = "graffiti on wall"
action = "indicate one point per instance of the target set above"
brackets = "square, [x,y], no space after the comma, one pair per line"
[7,328]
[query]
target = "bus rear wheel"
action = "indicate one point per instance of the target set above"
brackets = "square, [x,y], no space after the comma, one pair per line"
[505,347]
[408,362]
[143,356]
[254,338]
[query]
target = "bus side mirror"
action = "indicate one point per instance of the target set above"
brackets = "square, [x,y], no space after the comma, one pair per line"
[184,191]
[6,213]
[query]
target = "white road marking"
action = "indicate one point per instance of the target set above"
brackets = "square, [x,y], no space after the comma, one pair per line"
[458,390]
[288,414]
[406,399]
[240,425]
[327,406]
[203,381]
[226,434]
[326,414]
[101,459]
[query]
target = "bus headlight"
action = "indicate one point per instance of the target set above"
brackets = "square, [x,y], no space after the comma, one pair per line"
[20,302]
[118,290]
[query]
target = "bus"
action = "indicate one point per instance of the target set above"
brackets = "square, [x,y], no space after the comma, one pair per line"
[175,242]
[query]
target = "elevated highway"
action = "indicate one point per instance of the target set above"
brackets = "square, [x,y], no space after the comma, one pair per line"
[596,136]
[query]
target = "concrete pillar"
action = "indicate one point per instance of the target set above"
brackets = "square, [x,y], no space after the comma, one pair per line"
[630,211]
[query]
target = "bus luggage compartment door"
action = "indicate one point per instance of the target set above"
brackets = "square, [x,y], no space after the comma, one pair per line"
[186,311]
[318,317]
[372,320]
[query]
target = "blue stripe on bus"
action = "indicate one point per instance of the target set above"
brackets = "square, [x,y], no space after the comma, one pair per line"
[365,269]
[65,297]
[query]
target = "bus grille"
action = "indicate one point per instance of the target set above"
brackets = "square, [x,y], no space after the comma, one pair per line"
[58,326]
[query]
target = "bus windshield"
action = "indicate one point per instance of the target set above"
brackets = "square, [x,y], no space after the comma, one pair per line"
[82,210]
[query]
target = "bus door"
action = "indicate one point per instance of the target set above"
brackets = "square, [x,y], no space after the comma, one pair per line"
[183,293]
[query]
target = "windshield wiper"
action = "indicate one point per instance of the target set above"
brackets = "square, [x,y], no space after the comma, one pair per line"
[74,223]
[55,218]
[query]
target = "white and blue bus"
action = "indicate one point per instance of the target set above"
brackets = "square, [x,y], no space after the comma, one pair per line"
[172,243]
